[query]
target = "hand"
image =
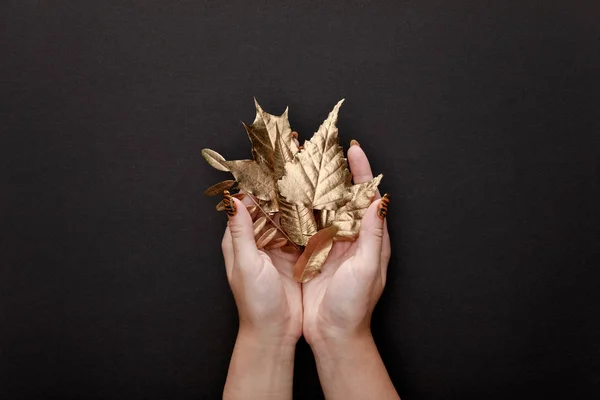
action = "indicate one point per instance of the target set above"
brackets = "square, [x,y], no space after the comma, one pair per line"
[269,300]
[339,302]
[269,303]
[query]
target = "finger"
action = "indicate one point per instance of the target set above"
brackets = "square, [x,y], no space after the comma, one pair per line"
[371,237]
[241,230]
[361,170]
[295,138]
[359,164]
[227,247]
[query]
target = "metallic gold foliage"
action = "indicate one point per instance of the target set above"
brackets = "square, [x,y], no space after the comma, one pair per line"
[266,237]
[276,243]
[324,218]
[317,176]
[348,217]
[315,253]
[217,189]
[272,146]
[296,195]
[256,179]
[272,140]
[298,221]
[215,160]
[259,224]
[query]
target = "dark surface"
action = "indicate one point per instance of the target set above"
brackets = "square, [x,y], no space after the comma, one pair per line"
[485,120]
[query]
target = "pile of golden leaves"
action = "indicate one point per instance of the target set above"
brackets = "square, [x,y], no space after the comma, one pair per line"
[301,196]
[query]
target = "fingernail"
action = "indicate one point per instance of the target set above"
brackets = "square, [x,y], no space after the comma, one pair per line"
[295,135]
[229,203]
[354,143]
[382,209]
[300,148]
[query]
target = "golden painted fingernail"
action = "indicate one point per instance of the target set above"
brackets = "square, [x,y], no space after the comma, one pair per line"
[229,203]
[354,143]
[300,148]
[383,206]
[295,135]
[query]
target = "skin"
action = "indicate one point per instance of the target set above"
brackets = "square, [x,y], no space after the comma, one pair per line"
[333,311]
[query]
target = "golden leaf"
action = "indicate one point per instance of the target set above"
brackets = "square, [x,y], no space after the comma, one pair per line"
[217,189]
[276,243]
[347,218]
[266,237]
[259,224]
[303,193]
[297,221]
[312,259]
[272,146]
[317,177]
[252,210]
[270,217]
[256,179]
[215,160]
[262,147]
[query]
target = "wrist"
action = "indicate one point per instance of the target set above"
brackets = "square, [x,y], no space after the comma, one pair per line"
[266,339]
[350,366]
[341,344]
[261,367]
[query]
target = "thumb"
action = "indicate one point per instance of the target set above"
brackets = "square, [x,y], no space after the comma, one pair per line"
[370,239]
[240,226]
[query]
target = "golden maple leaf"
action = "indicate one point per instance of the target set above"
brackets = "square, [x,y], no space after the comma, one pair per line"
[272,146]
[318,175]
[272,140]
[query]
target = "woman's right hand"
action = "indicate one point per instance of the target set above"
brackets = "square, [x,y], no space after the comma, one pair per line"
[339,302]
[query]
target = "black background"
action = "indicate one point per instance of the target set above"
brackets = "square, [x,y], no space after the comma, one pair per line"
[484,119]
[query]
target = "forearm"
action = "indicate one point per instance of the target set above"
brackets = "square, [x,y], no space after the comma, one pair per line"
[352,368]
[260,369]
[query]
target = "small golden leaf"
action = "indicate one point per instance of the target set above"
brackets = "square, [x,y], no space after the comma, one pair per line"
[252,210]
[217,189]
[266,237]
[215,160]
[276,243]
[348,217]
[258,225]
[297,221]
[312,259]
[317,177]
